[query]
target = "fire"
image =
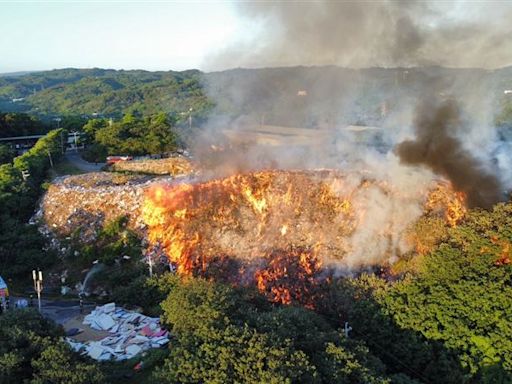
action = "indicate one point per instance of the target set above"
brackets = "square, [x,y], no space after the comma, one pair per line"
[258,203]
[291,276]
[505,247]
[453,203]
[285,225]
[245,215]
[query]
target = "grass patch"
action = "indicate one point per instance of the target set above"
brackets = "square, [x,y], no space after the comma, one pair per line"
[65,167]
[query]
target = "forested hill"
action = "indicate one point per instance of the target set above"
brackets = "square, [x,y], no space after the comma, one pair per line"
[303,96]
[101,91]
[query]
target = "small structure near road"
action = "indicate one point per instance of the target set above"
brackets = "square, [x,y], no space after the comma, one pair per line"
[4,295]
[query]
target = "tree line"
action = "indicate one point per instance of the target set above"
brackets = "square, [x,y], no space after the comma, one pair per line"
[21,183]
[131,135]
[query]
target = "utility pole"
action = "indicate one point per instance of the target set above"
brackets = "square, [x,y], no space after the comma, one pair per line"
[50,157]
[81,302]
[38,285]
[76,141]
[190,119]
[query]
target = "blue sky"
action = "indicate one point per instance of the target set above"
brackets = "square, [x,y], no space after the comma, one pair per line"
[121,35]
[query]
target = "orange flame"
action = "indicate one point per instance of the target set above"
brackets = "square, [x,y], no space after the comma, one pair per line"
[291,276]
[200,221]
[453,203]
[294,217]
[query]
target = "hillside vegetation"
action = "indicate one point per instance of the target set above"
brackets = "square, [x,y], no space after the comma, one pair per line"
[103,92]
[295,96]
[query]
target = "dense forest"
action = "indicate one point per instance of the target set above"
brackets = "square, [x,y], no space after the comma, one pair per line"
[95,92]
[20,124]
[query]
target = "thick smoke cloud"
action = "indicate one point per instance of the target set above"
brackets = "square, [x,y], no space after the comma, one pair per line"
[368,34]
[436,146]
[365,111]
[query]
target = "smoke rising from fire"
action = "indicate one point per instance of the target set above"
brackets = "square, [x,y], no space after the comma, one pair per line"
[436,145]
[377,126]
[365,34]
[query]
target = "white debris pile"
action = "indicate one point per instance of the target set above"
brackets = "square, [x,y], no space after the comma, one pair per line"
[131,333]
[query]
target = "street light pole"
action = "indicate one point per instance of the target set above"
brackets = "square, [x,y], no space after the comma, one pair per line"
[38,285]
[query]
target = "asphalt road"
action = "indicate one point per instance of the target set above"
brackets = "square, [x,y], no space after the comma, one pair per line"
[75,159]
[59,311]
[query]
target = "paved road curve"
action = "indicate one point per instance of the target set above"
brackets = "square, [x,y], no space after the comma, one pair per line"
[59,311]
[75,159]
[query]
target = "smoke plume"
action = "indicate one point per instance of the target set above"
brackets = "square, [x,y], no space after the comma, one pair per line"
[363,34]
[334,109]
[436,146]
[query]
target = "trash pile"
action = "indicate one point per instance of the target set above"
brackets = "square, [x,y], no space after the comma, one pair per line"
[86,202]
[171,166]
[131,334]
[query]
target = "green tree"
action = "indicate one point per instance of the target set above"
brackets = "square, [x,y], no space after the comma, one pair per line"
[221,337]
[31,352]
[234,355]
[92,126]
[359,302]
[6,154]
[20,124]
[134,135]
[21,245]
[463,295]
[160,137]
[116,240]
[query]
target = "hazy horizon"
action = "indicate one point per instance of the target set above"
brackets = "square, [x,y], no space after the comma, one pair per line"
[219,35]
[18,73]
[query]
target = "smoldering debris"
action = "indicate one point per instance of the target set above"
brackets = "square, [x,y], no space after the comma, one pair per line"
[437,145]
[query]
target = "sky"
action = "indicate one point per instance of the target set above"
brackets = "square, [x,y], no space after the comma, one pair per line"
[215,34]
[122,35]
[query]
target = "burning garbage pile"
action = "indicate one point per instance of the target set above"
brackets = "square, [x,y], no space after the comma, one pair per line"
[264,227]
[131,334]
[291,275]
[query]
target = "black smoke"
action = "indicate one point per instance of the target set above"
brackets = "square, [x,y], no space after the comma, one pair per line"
[438,127]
